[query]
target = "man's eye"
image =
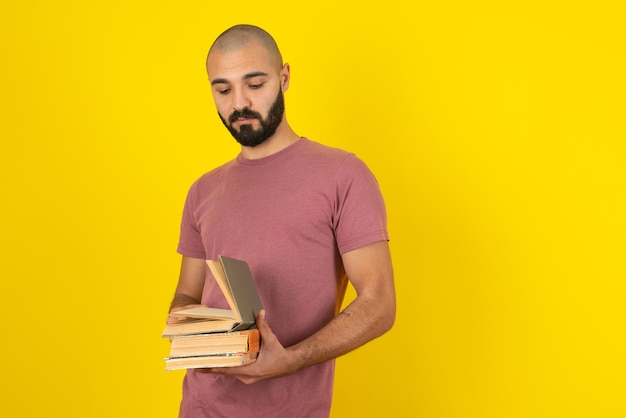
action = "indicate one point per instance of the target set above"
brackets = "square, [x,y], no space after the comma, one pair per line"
[256,86]
[224,91]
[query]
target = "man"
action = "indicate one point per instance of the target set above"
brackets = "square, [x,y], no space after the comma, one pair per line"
[306,218]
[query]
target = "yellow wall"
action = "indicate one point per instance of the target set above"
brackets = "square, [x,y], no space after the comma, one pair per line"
[496,131]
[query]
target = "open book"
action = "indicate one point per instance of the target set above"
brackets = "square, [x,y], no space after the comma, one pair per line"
[235,281]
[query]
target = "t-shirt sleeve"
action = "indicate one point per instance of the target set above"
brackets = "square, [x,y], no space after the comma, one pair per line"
[190,241]
[360,216]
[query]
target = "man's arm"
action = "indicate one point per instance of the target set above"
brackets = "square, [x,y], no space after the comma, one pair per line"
[190,283]
[370,315]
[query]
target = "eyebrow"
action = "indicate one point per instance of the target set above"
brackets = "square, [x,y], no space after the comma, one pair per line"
[245,77]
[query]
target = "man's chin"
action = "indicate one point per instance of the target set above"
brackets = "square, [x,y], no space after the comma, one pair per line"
[249,141]
[249,144]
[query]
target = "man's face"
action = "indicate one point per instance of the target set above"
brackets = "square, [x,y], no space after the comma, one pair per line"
[247,135]
[248,92]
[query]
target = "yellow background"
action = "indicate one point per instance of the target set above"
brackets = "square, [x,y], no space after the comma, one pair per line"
[496,130]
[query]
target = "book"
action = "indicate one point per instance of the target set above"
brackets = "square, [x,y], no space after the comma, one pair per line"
[216,343]
[219,360]
[214,337]
[236,283]
[200,320]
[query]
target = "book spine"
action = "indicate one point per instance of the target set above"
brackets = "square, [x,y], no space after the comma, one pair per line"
[254,340]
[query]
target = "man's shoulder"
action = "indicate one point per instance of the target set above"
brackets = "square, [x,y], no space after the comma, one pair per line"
[312,145]
[323,152]
[214,174]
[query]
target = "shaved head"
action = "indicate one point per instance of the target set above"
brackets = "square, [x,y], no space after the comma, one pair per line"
[241,36]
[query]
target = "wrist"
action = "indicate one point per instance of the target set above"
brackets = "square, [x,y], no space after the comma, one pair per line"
[299,356]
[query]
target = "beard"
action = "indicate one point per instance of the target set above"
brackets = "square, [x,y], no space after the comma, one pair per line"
[246,135]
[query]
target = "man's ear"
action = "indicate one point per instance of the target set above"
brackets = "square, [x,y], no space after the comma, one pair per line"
[285,77]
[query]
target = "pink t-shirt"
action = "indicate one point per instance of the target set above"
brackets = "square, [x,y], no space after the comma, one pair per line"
[290,216]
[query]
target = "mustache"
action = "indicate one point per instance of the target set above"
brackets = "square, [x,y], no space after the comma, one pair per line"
[245,113]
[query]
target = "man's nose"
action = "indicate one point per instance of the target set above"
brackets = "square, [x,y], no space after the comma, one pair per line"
[241,100]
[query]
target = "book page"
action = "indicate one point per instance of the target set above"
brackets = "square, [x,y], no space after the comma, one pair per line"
[218,272]
[203,312]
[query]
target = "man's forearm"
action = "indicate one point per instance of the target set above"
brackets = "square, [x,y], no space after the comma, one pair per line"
[362,321]
[181,299]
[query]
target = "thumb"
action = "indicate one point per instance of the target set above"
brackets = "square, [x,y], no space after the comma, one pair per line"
[262,325]
[261,319]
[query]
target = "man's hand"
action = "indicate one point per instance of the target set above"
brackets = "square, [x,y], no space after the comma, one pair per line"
[273,360]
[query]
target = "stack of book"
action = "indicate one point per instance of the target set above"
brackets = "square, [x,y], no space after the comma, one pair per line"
[213,350]
[204,337]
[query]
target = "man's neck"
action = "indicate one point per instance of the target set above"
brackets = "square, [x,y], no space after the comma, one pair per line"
[282,138]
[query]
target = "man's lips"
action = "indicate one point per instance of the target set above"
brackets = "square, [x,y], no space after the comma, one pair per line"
[243,121]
